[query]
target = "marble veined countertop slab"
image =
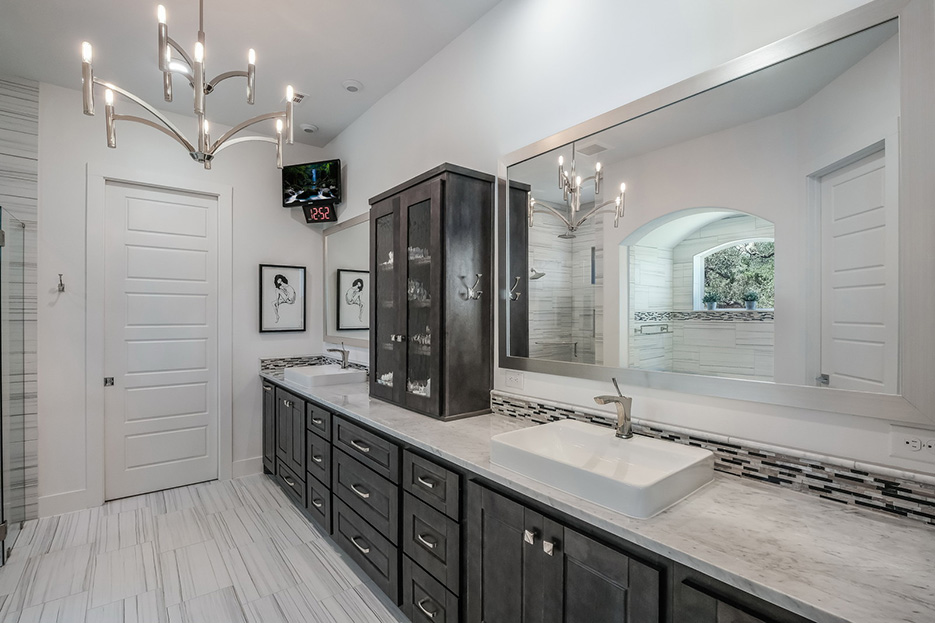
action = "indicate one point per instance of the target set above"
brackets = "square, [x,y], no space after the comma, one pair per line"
[813,557]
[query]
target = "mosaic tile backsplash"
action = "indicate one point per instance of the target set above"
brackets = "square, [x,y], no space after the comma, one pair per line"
[895,492]
[716,315]
[277,364]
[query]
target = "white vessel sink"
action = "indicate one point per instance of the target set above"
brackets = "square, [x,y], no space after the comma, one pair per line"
[638,477]
[315,376]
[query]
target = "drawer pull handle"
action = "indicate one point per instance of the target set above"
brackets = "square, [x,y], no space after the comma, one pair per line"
[267,388]
[317,421]
[429,613]
[363,550]
[428,483]
[317,503]
[360,445]
[317,458]
[289,404]
[360,491]
[289,481]
[427,540]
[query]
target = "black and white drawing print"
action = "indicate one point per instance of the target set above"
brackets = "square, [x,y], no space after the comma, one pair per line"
[353,293]
[282,298]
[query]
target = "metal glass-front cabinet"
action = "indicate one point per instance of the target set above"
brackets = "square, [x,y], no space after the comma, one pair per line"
[432,293]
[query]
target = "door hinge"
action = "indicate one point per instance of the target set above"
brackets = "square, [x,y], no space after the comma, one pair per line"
[108,381]
[823,380]
[3,531]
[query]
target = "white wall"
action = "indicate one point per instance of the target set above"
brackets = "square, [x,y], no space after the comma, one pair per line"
[505,83]
[263,232]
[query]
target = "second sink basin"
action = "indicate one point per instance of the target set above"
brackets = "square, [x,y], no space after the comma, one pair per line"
[638,477]
[314,376]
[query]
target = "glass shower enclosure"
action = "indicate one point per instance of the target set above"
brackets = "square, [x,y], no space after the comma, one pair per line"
[12,382]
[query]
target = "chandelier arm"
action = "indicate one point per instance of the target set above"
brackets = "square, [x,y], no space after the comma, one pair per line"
[222,77]
[242,126]
[169,125]
[543,207]
[241,139]
[594,211]
[181,51]
[155,125]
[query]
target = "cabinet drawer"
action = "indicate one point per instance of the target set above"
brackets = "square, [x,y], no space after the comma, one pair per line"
[432,540]
[318,420]
[290,483]
[318,503]
[425,600]
[375,554]
[375,452]
[318,459]
[373,497]
[436,486]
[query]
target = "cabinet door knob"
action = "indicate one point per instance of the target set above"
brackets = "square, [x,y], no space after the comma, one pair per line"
[549,547]
[429,613]
[530,536]
[428,483]
[363,493]
[363,550]
[360,445]
[427,540]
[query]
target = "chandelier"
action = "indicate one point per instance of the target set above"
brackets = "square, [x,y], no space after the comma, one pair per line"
[571,185]
[174,60]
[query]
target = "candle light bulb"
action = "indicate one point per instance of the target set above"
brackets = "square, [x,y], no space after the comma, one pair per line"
[161,14]
[623,188]
[578,182]
[109,97]
[199,52]
[597,167]
[251,57]
[86,52]
[561,161]
[279,126]
[290,93]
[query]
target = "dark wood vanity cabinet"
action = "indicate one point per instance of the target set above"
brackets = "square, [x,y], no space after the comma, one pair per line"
[524,567]
[269,427]
[432,293]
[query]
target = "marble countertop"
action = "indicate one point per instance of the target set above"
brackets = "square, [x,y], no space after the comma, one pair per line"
[816,558]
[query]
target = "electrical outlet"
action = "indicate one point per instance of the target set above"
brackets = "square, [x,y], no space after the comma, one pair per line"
[917,444]
[514,379]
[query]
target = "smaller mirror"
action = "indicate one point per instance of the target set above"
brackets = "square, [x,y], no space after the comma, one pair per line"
[346,269]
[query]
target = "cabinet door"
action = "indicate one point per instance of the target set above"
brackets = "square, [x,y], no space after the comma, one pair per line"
[518,274]
[421,213]
[494,591]
[601,584]
[269,428]
[387,320]
[290,432]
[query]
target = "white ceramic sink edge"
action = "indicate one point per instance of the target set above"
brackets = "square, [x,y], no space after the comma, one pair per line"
[638,477]
[316,376]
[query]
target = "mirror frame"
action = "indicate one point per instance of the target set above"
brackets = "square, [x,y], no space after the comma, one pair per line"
[325,303]
[915,402]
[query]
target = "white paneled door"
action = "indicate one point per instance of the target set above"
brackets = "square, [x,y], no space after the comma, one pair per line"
[859,278]
[160,339]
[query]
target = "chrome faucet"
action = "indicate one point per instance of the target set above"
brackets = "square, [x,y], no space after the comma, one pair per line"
[623,404]
[344,355]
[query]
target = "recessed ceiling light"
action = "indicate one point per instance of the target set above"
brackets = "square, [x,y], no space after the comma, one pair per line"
[309,128]
[352,86]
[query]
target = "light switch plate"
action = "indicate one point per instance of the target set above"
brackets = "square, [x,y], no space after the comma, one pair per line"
[916,444]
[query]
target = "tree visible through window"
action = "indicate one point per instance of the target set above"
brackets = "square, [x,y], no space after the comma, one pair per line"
[736,270]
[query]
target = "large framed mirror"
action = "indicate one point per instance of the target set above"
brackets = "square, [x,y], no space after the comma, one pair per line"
[760,232]
[345,265]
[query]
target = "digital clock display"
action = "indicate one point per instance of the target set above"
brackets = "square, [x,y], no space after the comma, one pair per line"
[320,213]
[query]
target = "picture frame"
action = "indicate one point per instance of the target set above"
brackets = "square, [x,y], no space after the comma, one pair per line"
[352,298]
[282,293]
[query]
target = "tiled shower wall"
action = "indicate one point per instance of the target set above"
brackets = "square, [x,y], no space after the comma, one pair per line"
[19,184]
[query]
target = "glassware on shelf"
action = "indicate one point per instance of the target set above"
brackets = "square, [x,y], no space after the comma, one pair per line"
[423,339]
[388,264]
[418,293]
[418,254]
[385,379]
[419,388]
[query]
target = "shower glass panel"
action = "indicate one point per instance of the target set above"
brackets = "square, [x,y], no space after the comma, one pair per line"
[12,395]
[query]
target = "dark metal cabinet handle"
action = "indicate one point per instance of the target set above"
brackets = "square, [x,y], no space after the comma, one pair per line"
[363,493]
[360,445]
[427,540]
[363,550]
[429,613]
[317,458]
[529,536]
[428,483]
[318,503]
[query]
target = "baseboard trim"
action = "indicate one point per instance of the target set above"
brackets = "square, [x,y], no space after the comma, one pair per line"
[66,502]
[247,467]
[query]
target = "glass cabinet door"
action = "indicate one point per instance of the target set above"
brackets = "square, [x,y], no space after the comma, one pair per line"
[388,338]
[422,208]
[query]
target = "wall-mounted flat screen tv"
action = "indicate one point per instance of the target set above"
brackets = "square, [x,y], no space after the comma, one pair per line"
[311,183]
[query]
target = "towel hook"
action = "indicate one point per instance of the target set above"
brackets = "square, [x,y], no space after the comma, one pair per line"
[514,295]
[61,284]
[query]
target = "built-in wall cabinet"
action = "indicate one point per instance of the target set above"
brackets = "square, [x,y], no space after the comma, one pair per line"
[448,546]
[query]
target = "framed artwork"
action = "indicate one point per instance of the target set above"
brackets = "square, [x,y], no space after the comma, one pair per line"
[282,298]
[353,294]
